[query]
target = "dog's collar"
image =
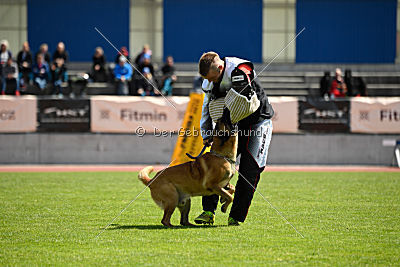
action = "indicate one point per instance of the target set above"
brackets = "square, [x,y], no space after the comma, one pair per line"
[231,161]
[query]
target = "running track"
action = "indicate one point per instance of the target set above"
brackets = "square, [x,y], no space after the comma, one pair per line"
[134,168]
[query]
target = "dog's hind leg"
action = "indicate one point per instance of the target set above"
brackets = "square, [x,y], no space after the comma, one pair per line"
[169,196]
[184,208]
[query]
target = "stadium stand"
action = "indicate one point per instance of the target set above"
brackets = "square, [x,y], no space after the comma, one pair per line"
[278,79]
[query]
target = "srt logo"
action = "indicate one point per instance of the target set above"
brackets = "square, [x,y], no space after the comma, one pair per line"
[78,112]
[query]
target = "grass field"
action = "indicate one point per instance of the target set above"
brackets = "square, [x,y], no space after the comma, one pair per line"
[53,218]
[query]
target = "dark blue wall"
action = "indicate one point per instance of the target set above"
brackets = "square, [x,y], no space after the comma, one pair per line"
[73,22]
[346,31]
[228,27]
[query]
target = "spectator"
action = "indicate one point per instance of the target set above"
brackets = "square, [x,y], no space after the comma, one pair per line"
[324,85]
[24,60]
[169,77]
[355,85]
[5,54]
[44,51]
[146,87]
[98,68]
[58,75]
[140,56]
[10,82]
[122,73]
[61,54]
[40,72]
[124,51]
[338,86]
[146,63]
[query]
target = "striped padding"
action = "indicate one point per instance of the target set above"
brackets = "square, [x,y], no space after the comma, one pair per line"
[239,106]
[216,108]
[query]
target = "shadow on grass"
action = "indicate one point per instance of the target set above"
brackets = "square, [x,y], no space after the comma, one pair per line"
[158,227]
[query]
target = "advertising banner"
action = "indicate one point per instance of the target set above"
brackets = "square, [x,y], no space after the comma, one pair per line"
[285,119]
[375,115]
[135,114]
[63,115]
[17,114]
[324,116]
[189,137]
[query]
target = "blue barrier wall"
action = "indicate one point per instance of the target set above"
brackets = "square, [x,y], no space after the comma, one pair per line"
[73,22]
[228,27]
[346,31]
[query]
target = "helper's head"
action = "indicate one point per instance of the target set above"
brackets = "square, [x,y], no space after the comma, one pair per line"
[211,66]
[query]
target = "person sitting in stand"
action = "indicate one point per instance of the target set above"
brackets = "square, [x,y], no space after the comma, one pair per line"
[98,72]
[169,77]
[355,85]
[146,63]
[5,54]
[40,72]
[145,51]
[146,86]
[44,51]
[123,74]
[58,76]
[10,84]
[24,61]
[338,86]
[122,52]
[324,85]
[59,68]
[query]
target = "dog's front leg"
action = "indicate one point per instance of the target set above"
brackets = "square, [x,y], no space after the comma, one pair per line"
[184,209]
[226,195]
[231,189]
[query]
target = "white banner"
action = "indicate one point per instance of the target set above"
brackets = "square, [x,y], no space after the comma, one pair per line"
[114,114]
[375,115]
[17,114]
[285,119]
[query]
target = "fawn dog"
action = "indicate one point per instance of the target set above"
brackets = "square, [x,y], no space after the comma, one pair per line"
[209,174]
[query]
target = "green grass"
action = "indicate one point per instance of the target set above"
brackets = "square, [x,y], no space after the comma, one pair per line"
[53,218]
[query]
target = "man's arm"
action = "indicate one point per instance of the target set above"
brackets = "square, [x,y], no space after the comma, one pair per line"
[205,121]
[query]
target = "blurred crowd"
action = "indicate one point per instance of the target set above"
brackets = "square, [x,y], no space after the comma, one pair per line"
[339,86]
[45,74]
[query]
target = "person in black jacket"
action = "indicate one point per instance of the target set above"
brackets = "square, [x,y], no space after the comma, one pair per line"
[325,85]
[24,61]
[44,51]
[98,72]
[168,76]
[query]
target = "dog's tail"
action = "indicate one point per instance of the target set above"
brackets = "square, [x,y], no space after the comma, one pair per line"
[144,175]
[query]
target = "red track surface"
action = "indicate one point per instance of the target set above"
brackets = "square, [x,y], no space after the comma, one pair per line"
[132,168]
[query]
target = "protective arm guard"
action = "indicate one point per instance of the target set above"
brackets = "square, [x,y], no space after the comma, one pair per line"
[242,77]
[242,100]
